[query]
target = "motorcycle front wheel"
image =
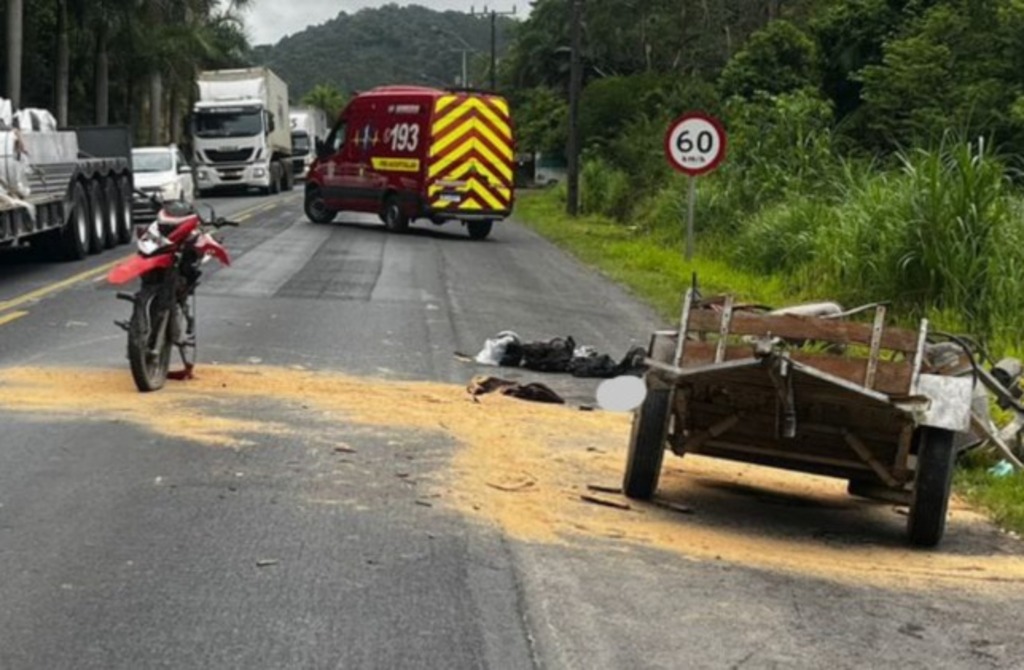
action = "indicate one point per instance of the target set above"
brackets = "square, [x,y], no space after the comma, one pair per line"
[149,339]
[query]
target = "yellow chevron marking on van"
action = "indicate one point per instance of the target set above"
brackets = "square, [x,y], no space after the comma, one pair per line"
[481,191]
[444,101]
[472,103]
[470,126]
[469,166]
[443,164]
[500,104]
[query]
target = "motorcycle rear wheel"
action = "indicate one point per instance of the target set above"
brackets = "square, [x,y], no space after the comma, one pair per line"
[149,339]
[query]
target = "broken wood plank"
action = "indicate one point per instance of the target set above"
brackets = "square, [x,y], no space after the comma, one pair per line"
[605,502]
[791,326]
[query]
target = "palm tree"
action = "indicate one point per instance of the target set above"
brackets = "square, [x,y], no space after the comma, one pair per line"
[325,97]
[15,21]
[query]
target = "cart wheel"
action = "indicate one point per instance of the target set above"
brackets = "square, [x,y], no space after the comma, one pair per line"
[647,445]
[935,458]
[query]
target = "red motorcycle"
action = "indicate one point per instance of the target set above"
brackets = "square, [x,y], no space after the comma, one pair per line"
[171,251]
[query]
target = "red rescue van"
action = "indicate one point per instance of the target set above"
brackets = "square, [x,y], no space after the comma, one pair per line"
[407,152]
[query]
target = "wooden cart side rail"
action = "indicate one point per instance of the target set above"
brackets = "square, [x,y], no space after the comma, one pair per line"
[803,328]
[891,378]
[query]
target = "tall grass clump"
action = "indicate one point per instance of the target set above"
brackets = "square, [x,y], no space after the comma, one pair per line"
[941,233]
[605,190]
[781,238]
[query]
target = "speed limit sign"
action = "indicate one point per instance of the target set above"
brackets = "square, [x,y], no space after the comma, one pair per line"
[695,143]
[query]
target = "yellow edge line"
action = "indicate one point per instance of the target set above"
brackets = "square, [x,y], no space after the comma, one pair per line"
[75,279]
[7,318]
[53,288]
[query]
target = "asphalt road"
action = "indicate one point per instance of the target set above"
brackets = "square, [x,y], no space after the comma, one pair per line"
[124,545]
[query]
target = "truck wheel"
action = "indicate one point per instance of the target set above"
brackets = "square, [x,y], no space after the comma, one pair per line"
[112,198]
[936,455]
[289,180]
[75,237]
[647,445]
[479,230]
[275,180]
[315,207]
[393,216]
[97,217]
[124,203]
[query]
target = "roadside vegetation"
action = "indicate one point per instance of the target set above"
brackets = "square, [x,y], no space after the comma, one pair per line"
[873,155]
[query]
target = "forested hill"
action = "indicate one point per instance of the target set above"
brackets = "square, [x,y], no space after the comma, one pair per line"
[410,45]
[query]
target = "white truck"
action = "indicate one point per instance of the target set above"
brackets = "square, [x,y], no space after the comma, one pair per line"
[65,192]
[309,124]
[241,135]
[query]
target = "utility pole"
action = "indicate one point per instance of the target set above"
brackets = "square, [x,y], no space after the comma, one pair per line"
[575,87]
[494,39]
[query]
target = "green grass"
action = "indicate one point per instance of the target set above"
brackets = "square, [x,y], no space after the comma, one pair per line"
[654,269]
[1003,497]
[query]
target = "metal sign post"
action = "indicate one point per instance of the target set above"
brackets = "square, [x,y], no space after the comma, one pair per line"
[694,145]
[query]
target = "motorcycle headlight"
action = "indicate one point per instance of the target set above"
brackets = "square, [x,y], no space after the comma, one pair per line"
[151,239]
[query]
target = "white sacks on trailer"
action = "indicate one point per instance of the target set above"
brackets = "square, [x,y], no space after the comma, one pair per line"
[33,120]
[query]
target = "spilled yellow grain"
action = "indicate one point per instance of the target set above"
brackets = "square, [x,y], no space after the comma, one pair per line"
[523,466]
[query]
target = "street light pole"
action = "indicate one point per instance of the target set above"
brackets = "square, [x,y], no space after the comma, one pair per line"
[494,39]
[575,86]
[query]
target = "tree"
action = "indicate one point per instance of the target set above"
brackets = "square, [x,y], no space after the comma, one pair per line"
[326,97]
[15,43]
[776,59]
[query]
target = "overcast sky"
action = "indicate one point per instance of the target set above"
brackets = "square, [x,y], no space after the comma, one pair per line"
[270,20]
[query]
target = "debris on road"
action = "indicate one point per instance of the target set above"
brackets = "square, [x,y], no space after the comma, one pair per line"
[557,355]
[344,449]
[605,502]
[481,385]
[266,562]
[597,488]
[504,349]
[672,506]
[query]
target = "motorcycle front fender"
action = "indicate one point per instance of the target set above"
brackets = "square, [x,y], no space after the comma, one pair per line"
[136,266]
[208,246]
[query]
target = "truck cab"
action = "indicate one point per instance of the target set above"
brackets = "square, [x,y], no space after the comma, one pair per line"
[240,132]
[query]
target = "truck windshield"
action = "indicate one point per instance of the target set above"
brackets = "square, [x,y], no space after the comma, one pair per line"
[300,143]
[151,161]
[234,123]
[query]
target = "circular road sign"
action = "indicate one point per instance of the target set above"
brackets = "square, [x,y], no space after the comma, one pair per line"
[695,143]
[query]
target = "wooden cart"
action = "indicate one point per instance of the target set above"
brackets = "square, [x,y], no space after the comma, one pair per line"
[829,396]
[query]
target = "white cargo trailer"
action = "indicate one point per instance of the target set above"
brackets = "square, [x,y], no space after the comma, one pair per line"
[309,125]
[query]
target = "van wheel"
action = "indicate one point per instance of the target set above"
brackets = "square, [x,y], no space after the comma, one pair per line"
[479,230]
[316,208]
[393,216]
